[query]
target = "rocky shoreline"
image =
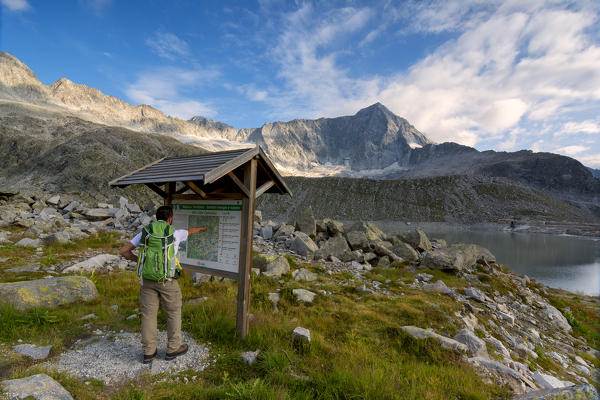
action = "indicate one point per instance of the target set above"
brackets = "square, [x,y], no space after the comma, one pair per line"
[506,328]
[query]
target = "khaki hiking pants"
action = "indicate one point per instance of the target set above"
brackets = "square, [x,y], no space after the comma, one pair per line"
[169,294]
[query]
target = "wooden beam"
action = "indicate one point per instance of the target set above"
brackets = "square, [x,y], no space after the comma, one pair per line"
[196,189]
[246,249]
[239,184]
[183,189]
[264,187]
[157,190]
[218,196]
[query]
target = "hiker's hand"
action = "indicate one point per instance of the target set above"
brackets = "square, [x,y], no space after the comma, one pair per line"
[126,252]
[197,229]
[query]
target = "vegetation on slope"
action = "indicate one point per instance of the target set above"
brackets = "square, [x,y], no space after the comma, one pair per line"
[464,199]
[358,350]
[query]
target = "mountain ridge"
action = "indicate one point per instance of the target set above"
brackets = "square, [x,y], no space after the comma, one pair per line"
[374,142]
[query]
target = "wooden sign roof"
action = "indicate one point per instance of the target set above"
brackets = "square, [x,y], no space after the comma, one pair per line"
[206,169]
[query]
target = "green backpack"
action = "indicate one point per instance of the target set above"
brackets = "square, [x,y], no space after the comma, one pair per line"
[157,261]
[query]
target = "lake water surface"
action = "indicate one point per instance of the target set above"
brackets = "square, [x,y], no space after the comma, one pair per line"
[560,261]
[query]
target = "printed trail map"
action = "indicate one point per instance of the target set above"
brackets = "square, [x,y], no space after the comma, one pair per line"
[204,245]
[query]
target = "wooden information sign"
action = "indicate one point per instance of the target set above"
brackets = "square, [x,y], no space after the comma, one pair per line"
[216,190]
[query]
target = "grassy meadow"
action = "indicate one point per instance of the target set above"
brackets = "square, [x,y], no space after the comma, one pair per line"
[358,350]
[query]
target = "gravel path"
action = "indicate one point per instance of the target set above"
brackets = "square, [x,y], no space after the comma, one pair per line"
[113,357]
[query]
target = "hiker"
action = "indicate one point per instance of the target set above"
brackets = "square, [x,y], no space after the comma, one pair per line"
[158,270]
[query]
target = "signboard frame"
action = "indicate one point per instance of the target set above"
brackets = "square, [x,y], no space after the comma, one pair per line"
[218,205]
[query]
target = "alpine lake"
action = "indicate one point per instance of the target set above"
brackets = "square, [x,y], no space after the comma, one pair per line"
[560,261]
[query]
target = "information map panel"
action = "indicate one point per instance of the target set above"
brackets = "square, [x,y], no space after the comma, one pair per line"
[219,246]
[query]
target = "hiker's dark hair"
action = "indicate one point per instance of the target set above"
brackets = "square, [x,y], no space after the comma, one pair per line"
[163,213]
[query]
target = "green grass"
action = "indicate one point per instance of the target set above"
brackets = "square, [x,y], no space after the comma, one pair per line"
[583,317]
[358,350]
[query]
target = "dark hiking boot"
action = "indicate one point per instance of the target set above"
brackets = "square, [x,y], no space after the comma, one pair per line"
[149,357]
[182,350]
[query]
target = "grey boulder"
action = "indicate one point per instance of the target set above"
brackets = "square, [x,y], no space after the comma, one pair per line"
[305,222]
[304,245]
[334,246]
[418,240]
[276,267]
[456,257]
[49,292]
[303,274]
[476,346]
[33,351]
[40,387]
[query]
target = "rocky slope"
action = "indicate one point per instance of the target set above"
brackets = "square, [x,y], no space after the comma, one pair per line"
[505,327]
[373,142]
[18,84]
[49,150]
[461,199]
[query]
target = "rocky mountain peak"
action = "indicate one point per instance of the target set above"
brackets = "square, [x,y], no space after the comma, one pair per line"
[14,73]
[18,82]
[376,108]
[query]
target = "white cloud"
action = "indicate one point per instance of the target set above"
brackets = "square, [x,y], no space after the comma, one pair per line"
[571,150]
[168,45]
[592,160]
[16,5]
[587,126]
[164,89]
[509,65]
[96,6]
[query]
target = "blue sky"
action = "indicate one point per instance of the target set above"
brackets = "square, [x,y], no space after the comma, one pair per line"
[503,75]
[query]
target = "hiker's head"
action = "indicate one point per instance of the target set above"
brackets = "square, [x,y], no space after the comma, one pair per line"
[164,213]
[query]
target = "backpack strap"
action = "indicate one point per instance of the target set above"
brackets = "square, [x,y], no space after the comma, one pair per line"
[142,256]
[165,251]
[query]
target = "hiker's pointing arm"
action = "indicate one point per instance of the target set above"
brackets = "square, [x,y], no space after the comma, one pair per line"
[126,252]
[197,229]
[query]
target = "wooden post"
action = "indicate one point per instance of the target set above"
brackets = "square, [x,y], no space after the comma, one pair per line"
[246,249]
[170,189]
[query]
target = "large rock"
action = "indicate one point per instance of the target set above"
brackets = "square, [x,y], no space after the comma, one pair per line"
[357,240]
[33,351]
[303,274]
[446,342]
[49,292]
[277,267]
[418,240]
[39,387]
[474,293]
[405,251]
[439,287]
[456,257]
[57,238]
[381,250]
[27,242]
[283,231]
[304,245]
[582,392]
[305,222]
[476,346]
[303,295]
[333,227]
[371,231]
[92,264]
[100,214]
[548,381]
[334,246]
[557,318]
[498,346]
